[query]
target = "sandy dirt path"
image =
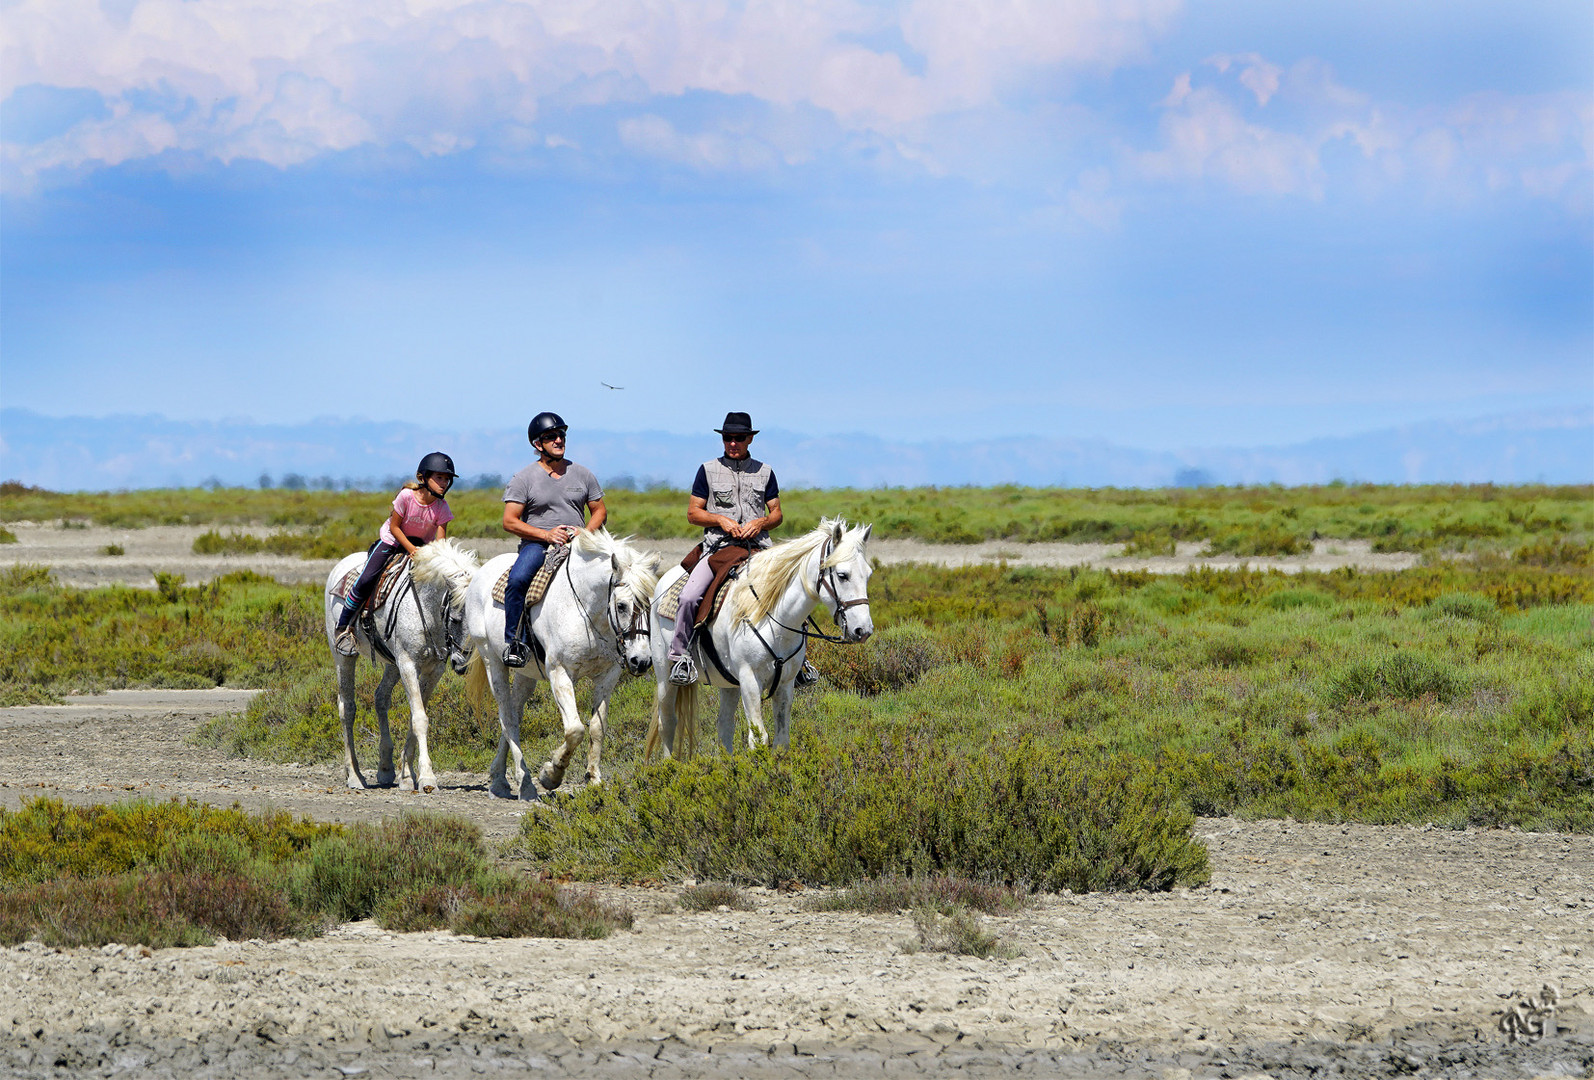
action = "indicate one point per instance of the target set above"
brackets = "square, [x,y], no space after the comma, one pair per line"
[1316,950]
[77,555]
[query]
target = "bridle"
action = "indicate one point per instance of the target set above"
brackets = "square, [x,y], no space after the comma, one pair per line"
[641,624]
[827,580]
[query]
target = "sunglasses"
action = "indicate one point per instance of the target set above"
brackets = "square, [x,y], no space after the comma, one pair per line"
[553,436]
[737,437]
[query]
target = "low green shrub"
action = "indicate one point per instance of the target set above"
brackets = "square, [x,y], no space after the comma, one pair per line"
[7,536]
[892,804]
[889,660]
[174,873]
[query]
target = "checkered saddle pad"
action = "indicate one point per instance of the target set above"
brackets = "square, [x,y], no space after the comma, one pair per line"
[557,554]
[670,602]
[392,574]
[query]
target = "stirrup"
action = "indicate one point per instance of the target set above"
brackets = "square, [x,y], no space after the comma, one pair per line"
[807,676]
[514,654]
[683,672]
[344,642]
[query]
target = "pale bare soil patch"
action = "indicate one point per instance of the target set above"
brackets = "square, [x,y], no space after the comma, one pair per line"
[76,555]
[1317,949]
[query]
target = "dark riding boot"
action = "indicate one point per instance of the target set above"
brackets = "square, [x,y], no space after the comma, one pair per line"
[807,676]
[514,653]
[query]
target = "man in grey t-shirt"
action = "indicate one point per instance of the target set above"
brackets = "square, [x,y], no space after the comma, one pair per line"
[544,504]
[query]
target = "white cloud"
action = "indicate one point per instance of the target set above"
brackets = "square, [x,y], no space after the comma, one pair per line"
[1539,145]
[285,79]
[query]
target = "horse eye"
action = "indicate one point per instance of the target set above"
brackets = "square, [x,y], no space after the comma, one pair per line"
[843,577]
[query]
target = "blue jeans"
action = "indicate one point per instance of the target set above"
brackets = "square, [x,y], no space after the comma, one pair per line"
[527,562]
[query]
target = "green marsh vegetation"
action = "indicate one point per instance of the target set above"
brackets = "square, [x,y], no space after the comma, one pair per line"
[1009,726]
[163,874]
[1244,521]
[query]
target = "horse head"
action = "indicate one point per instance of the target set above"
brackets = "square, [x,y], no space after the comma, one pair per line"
[633,577]
[446,567]
[844,580]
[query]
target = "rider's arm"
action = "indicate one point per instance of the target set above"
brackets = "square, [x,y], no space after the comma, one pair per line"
[513,524]
[442,532]
[395,525]
[600,514]
[697,513]
[771,519]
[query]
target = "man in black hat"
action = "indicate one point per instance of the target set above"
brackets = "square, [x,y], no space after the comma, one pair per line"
[736,500]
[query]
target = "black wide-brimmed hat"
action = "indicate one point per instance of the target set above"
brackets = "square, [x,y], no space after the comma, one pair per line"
[737,423]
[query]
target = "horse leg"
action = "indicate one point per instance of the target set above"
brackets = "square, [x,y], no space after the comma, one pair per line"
[521,691]
[384,699]
[422,777]
[417,750]
[752,708]
[563,689]
[783,696]
[501,683]
[602,687]
[347,708]
[727,720]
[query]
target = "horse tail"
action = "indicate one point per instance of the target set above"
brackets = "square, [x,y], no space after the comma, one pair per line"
[685,723]
[476,681]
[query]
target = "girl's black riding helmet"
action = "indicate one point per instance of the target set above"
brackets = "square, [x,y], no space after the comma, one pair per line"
[435,462]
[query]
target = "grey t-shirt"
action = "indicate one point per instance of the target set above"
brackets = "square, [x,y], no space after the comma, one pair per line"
[554,500]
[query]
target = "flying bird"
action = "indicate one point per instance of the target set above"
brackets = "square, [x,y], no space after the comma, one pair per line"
[606,386]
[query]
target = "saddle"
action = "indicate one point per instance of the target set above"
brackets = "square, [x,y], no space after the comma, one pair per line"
[538,588]
[724,563]
[392,573]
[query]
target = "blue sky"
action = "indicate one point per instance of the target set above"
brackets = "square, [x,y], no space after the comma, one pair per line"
[1160,224]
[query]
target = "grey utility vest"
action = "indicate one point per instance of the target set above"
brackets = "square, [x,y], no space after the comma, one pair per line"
[736,490]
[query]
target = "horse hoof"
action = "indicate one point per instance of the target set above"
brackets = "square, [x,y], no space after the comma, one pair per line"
[428,784]
[529,794]
[501,791]
[550,777]
[356,783]
[386,779]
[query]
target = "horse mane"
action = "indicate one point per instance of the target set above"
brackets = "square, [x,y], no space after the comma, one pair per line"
[769,572]
[639,570]
[447,562]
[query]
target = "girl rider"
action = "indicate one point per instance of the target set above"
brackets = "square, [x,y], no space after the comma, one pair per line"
[544,504]
[420,515]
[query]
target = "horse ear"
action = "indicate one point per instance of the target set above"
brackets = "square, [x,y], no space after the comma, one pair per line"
[614,561]
[867,529]
[837,531]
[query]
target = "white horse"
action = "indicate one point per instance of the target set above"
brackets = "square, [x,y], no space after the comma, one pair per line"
[419,626]
[592,622]
[758,637]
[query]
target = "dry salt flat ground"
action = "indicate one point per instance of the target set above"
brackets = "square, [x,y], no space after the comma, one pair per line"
[77,558]
[1317,950]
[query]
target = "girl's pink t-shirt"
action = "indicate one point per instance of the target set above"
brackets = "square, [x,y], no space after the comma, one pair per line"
[419,520]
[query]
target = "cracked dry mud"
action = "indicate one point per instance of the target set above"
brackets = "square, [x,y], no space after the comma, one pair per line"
[1316,950]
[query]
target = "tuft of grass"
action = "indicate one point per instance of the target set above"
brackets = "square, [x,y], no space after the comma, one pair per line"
[939,892]
[1404,675]
[713,894]
[7,536]
[959,932]
[113,549]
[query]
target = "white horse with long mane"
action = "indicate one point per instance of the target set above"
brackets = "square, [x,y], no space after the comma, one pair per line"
[592,622]
[418,624]
[758,640]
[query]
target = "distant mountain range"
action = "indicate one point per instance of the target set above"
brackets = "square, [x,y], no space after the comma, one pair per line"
[108,453]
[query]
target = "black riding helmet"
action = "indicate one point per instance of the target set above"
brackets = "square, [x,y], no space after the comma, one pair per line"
[435,462]
[542,424]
